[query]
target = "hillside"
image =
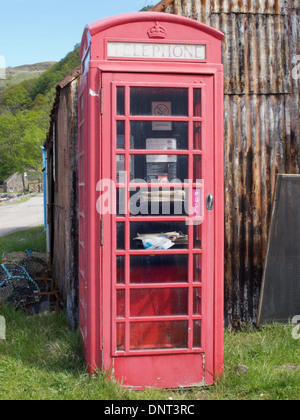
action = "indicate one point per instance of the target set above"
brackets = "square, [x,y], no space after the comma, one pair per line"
[39,67]
[15,75]
[24,112]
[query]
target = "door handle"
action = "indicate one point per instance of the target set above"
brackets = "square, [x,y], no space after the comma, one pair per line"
[210,202]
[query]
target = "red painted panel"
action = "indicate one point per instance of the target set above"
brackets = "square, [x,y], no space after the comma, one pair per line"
[157,311]
[168,371]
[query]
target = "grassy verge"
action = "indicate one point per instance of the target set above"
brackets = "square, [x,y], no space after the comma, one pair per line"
[32,239]
[42,358]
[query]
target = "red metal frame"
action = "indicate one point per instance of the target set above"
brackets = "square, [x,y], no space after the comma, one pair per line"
[164,367]
[127,219]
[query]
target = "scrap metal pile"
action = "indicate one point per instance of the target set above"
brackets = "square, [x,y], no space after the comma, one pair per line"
[26,283]
[16,286]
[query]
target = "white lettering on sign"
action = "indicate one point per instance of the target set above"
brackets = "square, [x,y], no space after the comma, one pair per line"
[156,51]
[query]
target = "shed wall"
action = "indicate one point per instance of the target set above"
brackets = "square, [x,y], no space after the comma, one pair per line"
[262,136]
[61,146]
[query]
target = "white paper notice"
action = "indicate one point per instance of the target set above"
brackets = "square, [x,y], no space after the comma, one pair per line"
[161,144]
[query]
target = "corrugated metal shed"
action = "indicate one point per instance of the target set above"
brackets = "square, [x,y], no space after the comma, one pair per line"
[262,135]
[62,175]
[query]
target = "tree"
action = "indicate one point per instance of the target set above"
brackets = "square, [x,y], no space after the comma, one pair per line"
[24,117]
[16,99]
[21,137]
[9,137]
[39,102]
[29,155]
[146,8]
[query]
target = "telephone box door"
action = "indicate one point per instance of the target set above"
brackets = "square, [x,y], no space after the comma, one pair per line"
[158,228]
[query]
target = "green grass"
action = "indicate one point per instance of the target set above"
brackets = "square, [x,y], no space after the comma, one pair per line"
[32,239]
[266,353]
[42,358]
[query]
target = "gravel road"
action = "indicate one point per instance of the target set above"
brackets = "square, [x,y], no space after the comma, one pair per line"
[22,216]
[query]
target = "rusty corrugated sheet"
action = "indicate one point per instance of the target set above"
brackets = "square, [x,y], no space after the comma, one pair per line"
[262,135]
[184,7]
[62,175]
[257,34]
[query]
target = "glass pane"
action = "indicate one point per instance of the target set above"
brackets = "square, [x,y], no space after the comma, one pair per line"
[197,136]
[159,201]
[197,103]
[158,235]
[121,303]
[121,236]
[197,301]
[121,201]
[158,335]
[159,101]
[159,168]
[120,169]
[120,270]
[121,100]
[197,334]
[197,236]
[197,168]
[155,135]
[120,336]
[158,302]
[151,269]
[197,269]
[121,135]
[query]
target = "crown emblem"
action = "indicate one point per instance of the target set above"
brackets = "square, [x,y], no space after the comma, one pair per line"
[157,31]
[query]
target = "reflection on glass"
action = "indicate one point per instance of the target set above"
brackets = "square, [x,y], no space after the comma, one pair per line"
[197,136]
[120,269]
[120,168]
[158,335]
[121,100]
[197,268]
[151,269]
[120,236]
[121,201]
[197,334]
[120,336]
[121,303]
[175,132]
[121,135]
[197,236]
[197,168]
[197,103]
[158,302]
[161,102]
[197,301]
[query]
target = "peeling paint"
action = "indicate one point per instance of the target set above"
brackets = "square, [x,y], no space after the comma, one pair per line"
[92,93]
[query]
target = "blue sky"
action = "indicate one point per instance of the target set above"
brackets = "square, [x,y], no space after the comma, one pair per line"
[32,31]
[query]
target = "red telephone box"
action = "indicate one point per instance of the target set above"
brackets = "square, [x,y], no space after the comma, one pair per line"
[151,200]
